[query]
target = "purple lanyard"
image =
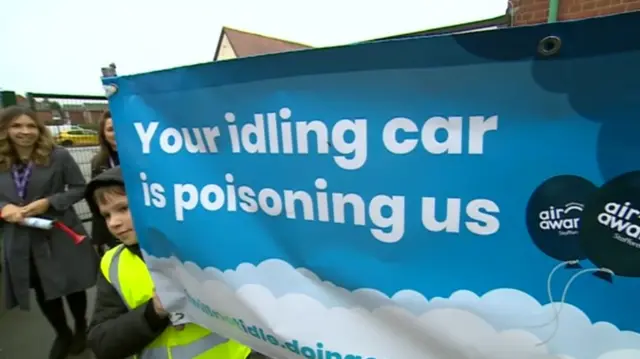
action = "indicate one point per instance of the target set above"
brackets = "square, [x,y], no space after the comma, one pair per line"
[111,163]
[21,178]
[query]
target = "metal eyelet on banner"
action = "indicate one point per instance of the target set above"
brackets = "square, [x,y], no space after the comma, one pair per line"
[549,46]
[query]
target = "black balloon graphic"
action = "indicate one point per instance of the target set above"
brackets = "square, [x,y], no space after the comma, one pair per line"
[554,216]
[610,234]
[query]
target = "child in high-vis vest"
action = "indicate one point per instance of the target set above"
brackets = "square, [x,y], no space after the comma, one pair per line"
[129,319]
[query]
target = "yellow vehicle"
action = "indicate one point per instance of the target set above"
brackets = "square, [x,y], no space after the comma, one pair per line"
[77,137]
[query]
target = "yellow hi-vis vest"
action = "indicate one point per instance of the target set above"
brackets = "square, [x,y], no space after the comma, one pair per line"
[128,274]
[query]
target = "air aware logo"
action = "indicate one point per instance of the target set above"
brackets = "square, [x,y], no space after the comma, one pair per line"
[624,220]
[555,213]
[564,220]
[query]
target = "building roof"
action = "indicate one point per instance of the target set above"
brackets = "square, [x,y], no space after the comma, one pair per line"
[494,22]
[246,44]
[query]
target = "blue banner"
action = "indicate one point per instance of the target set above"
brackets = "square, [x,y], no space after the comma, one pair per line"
[465,196]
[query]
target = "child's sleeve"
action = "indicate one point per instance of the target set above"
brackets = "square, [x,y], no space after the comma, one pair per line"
[116,332]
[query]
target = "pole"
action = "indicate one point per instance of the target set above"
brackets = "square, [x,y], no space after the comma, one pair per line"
[109,71]
[554,5]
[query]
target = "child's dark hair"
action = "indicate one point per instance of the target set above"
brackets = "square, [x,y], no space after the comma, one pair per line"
[101,193]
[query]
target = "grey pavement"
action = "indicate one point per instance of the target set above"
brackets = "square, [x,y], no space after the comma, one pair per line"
[27,335]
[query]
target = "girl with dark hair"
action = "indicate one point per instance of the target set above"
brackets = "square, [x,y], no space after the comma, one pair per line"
[39,179]
[106,158]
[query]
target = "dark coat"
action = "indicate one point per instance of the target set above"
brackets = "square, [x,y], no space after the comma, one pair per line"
[115,331]
[62,266]
[99,232]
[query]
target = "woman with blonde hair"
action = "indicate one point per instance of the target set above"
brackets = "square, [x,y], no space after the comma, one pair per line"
[40,179]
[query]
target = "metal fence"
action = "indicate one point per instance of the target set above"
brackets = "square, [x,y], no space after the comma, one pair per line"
[74,123]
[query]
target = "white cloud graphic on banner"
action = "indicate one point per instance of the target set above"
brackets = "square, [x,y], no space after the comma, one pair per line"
[622,354]
[502,324]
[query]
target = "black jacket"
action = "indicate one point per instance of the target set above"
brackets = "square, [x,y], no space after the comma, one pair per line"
[115,332]
[100,235]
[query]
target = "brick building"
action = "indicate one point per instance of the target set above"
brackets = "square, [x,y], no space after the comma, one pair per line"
[527,12]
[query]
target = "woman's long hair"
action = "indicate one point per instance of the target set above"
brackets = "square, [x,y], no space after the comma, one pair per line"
[41,154]
[102,157]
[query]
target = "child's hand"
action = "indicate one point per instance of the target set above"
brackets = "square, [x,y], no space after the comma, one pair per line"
[179,327]
[157,306]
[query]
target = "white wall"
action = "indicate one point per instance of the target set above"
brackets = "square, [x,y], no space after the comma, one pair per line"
[226,51]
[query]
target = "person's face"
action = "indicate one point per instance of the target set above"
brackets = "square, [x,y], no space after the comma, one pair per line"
[23,131]
[109,135]
[115,209]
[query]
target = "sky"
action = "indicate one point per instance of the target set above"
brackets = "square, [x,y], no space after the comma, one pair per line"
[59,46]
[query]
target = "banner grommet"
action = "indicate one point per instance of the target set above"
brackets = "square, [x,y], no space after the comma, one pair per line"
[549,46]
